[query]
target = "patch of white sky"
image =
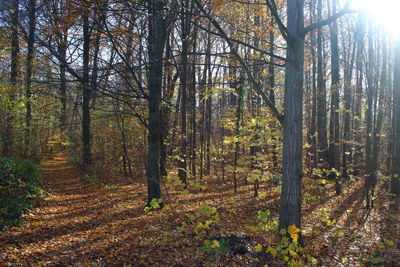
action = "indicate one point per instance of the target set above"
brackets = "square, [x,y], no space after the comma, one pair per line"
[384,13]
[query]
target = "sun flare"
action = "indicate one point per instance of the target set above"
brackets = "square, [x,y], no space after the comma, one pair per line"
[384,13]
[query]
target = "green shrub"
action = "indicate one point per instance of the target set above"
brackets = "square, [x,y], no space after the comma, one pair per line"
[21,187]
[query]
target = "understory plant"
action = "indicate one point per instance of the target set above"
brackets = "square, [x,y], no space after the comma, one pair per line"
[21,188]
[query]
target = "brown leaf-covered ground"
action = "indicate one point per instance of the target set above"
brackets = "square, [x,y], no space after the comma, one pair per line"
[86,225]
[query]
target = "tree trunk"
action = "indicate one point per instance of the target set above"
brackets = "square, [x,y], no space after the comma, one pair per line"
[321,94]
[369,173]
[208,120]
[239,112]
[184,71]
[271,87]
[395,181]
[203,100]
[86,90]
[359,94]
[8,138]
[29,67]
[192,101]
[347,100]
[334,119]
[156,42]
[62,51]
[314,108]
[290,201]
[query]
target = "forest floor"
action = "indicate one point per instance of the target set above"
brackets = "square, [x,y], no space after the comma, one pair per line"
[82,224]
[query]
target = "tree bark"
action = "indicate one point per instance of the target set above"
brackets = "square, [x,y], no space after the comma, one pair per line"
[156,43]
[86,90]
[290,201]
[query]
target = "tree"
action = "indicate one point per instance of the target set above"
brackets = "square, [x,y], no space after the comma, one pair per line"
[395,180]
[8,140]
[86,89]
[185,22]
[292,172]
[29,69]
[156,41]
[334,127]
[322,141]
[294,33]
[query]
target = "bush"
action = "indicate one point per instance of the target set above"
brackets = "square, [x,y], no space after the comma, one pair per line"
[21,187]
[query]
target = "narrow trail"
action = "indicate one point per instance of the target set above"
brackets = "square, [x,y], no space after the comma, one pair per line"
[77,224]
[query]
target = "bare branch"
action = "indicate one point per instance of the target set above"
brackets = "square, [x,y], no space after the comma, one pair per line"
[329,20]
[272,7]
[256,85]
[262,51]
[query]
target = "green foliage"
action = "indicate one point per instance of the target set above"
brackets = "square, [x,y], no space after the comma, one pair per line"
[91,179]
[290,251]
[202,223]
[375,261]
[382,257]
[174,183]
[21,187]
[276,179]
[215,247]
[155,204]
[325,217]
[266,224]
[307,197]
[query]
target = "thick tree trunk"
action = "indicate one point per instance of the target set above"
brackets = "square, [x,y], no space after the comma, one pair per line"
[156,42]
[290,201]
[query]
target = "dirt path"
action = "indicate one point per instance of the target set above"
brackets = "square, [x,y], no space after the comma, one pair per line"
[77,224]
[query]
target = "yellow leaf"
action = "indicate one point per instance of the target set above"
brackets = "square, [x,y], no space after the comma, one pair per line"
[293,231]
[258,248]
[285,240]
[272,251]
[215,244]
